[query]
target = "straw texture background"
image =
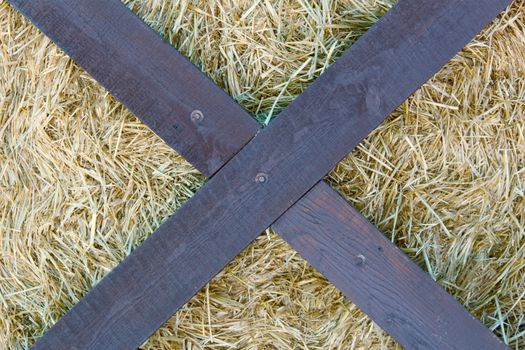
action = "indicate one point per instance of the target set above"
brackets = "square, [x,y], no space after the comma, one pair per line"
[83,182]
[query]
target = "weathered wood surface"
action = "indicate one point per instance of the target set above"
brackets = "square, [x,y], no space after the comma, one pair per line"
[379,278]
[327,254]
[147,75]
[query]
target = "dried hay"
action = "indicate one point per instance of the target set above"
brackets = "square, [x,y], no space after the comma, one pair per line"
[82,181]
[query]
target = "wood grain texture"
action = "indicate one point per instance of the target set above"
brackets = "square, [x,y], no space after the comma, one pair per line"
[380,279]
[211,266]
[147,75]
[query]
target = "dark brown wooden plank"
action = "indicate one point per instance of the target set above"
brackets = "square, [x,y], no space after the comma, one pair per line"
[147,75]
[380,279]
[284,148]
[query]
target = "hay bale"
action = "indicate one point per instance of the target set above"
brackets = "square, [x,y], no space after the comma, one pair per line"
[82,181]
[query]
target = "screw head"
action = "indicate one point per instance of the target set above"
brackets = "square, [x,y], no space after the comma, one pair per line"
[196,116]
[261,178]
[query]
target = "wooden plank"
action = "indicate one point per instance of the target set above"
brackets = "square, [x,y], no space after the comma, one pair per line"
[301,131]
[380,279]
[147,75]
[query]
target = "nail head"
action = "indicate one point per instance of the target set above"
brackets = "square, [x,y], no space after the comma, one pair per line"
[261,178]
[196,116]
[360,260]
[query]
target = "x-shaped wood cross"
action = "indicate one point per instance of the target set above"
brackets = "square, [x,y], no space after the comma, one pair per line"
[264,177]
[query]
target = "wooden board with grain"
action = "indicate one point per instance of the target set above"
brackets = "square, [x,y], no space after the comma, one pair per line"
[265,180]
[147,75]
[377,276]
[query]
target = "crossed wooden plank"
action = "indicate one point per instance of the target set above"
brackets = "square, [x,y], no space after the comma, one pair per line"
[254,180]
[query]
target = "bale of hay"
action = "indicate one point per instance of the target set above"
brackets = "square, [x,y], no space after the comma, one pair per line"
[83,182]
